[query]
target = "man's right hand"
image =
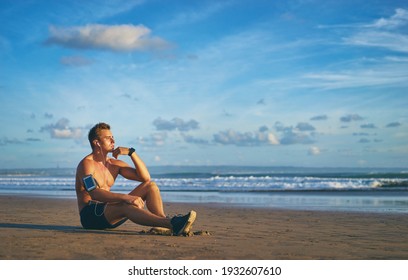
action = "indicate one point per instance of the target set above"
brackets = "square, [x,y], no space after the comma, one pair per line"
[120,151]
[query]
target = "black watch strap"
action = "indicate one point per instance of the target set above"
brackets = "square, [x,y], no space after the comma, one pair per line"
[131,151]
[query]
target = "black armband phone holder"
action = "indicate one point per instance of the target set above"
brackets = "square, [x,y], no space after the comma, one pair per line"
[90,183]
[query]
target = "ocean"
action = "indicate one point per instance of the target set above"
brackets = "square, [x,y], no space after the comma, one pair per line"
[319,189]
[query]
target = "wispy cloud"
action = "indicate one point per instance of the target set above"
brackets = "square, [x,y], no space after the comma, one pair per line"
[393,124]
[319,118]
[392,41]
[364,141]
[8,141]
[119,38]
[232,137]
[175,124]
[400,18]
[75,61]
[351,118]
[385,33]
[368,126]
[95,10]
[193,140]
[156,139]
[303,126]
[197,15]
[377,75]
[293,136]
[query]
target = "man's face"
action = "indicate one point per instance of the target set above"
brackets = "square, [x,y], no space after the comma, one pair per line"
[106,140]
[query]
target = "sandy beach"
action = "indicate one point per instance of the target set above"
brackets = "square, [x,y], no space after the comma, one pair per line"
[49,229]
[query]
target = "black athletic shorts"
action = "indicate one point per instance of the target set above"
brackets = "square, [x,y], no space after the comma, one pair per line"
[93,217]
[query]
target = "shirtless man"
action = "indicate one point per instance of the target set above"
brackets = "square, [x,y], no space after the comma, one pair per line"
[101,208]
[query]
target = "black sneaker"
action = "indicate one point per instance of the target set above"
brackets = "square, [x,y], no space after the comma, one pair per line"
[182,224]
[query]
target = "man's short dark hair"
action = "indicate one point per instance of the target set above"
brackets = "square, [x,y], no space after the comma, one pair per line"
[94,133]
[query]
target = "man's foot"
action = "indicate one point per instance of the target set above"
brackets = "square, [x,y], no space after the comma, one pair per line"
[182,224]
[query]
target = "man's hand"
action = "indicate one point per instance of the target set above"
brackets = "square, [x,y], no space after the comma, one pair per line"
[120,151]
[135,200]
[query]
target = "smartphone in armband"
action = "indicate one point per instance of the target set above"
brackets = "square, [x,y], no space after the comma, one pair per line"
[90,183]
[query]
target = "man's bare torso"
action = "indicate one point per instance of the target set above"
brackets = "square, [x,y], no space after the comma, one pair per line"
[105,174]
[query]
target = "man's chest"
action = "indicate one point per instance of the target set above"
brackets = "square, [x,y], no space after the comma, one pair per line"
[105,176]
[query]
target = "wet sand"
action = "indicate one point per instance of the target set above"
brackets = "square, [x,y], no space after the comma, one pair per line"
[49,229]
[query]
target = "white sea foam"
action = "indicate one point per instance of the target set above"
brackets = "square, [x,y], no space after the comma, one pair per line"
[215,183]
[271,188]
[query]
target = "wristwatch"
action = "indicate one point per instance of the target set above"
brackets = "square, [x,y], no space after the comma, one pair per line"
[131,151]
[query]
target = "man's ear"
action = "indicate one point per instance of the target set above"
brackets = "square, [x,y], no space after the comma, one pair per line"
[96,143]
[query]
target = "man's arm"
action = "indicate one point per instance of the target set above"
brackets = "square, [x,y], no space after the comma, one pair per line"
[102,194]
[108,196]
[138,173]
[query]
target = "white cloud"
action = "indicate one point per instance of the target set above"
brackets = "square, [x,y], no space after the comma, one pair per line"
[314,151]
[66,133]
[62,130]
[303,133]
[400,18]
[124,37]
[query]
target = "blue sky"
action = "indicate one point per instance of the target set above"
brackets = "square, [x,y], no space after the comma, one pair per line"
[272,83]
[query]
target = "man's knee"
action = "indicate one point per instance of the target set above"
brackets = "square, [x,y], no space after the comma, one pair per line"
[153,186]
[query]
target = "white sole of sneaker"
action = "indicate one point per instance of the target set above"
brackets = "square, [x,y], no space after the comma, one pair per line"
[190,222]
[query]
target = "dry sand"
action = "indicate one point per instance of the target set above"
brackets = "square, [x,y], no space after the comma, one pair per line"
[49,229]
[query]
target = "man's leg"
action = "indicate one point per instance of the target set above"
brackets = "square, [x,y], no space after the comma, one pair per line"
[150,193]
[178,224]
[116,211]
